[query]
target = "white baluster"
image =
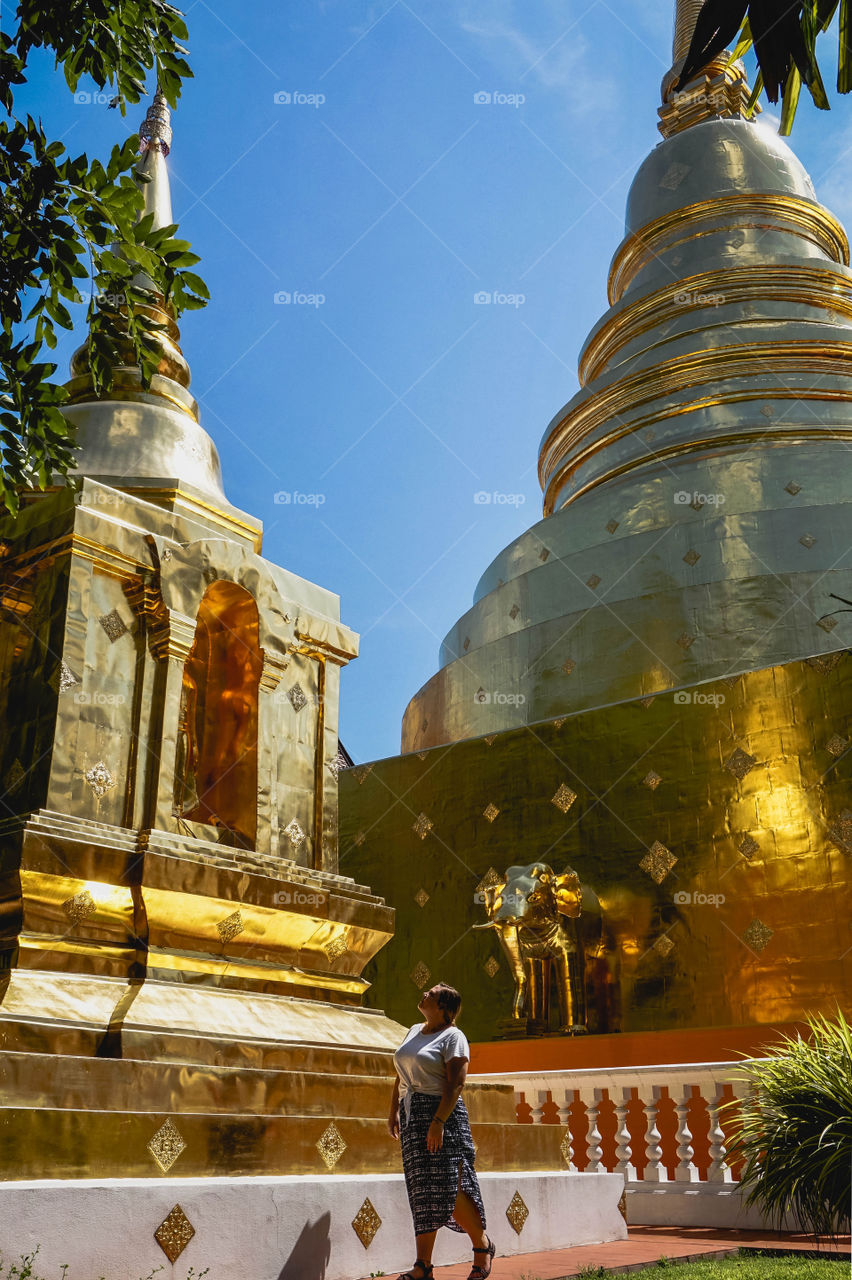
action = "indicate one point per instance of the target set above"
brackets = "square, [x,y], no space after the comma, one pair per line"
[592,1100]
[537,1099]
[719,1170]
[564,1119]
[686,1170]
[623,1149]
[655,1170]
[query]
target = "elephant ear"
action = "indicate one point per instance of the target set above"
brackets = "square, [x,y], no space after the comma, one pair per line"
[492,895]
[569,895]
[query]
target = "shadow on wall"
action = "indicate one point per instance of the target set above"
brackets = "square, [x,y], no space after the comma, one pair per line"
[311,1252]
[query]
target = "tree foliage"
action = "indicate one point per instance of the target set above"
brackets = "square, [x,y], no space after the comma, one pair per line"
[68,221]
[783,34]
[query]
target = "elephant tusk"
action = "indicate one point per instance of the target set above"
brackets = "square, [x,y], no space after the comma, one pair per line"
[492,924]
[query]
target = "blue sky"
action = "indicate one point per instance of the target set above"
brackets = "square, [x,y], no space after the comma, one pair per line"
[386,197]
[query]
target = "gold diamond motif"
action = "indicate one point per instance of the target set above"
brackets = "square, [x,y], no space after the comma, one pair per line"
[564,798]
[692,557]
[748,846]
[66,677]
[517,1212]
[827,624]
[489,739]
[491,877]
[166,1145]
[658,862]
[807,540]
[422,826]
[230,926]
[331,1146]
[420,975]
[174,1233]
[339,762]
[646,702]
[730,681]
[297,697]
[568,666]
[685,640]
[611,526]
[664,946]
[421,897]
[366,1223]
[739,763]
[837,745]
[80,907]
[825,663]
[113,624]
[294,833]
[652,780]
[757,935]
[335,948]
[361,772]
[100,779]
[696,504]
[543,554]
[557,724]
[491,966]
[421,755]
[490,812]
[841,833]
[593,581]
[792,487]
[514,611]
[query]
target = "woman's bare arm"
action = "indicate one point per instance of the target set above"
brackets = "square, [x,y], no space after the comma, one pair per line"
[393,1113]
[455,1076]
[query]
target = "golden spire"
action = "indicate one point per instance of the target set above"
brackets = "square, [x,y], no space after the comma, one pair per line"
[686,16]
[720,90]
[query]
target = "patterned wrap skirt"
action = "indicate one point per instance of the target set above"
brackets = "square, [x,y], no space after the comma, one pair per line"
[434,1179]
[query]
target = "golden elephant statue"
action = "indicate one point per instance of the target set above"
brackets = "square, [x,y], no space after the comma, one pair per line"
[536,914]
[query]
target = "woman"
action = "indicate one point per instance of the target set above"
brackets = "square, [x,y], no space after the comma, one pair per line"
[429,1118]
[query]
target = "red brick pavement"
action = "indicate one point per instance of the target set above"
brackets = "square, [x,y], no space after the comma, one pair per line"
[643,1245]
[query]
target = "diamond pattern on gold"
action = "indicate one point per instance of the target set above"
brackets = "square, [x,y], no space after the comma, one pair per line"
[841,832]
[730,681]
[80,907]
[491,966]
[757,935]
[564,798]
[331,1145]
[174,1233]
[489,738]
[825,663]
[793,488]
[685,640]
[491,877]
[807,540]
[658,862]
[230,926]
[420,975]
[646,702]
[113,624]
[421,755]
[611,526]
[517,1212]
[421,897]
[335,948]
[294,833]
[422,826]
[514,611]
[739,763]
[593,581]
[652,780]
[490,812]
[827,624]
[362,771]
[568,666]
[664,946]
[366,1223]
[748,846]
[66,677]
[100,779]
[692,557]
[166,1145]
[557,724]
[837,745]
[543,554]
[339,762]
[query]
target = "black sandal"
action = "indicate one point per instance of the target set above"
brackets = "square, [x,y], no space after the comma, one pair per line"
[426,1268]
[478,1272]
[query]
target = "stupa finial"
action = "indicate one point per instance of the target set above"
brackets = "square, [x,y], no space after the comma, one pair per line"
[686,16]
[719,89]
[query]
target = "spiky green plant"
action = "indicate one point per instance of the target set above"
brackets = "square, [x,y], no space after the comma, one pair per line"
[794,1129]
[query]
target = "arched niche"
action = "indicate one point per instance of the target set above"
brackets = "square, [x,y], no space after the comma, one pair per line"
[216,764]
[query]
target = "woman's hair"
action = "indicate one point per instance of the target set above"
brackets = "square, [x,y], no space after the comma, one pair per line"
[449,1001]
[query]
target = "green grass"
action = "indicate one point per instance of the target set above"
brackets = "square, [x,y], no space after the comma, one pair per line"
[745,1267]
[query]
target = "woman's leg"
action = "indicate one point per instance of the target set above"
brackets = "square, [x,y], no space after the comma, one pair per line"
[425,1244]
[467,1216]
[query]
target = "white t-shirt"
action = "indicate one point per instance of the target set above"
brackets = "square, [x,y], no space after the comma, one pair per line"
[421,1059]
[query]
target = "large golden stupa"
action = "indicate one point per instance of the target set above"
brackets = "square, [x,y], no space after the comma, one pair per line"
[653,687]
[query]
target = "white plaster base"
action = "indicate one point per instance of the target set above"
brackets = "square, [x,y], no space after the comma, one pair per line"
[294,1228]
[693,1204]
